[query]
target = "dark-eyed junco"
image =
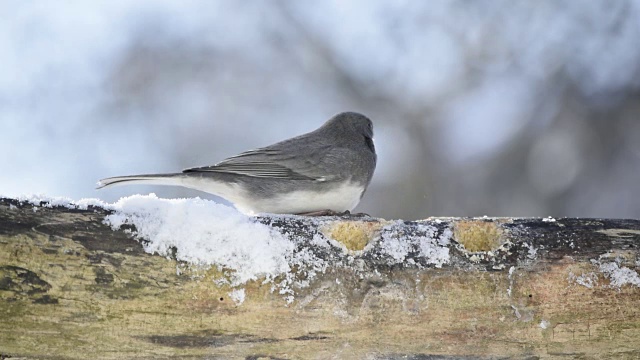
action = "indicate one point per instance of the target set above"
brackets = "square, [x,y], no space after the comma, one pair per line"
[325,170]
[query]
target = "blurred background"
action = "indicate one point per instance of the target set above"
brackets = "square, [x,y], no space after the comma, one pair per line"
[496,107]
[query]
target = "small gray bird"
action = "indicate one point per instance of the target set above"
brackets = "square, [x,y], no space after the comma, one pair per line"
[322,172]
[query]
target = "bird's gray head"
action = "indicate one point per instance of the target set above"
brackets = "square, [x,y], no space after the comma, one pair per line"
[352,126]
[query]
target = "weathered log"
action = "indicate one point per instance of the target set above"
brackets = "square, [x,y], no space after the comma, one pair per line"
[72,287]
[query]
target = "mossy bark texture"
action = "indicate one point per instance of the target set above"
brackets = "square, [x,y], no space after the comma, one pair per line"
[73,288]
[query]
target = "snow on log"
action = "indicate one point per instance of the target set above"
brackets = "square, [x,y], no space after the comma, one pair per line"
[156,278]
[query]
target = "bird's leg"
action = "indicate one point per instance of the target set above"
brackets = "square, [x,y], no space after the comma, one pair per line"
[320,213]
[333,213]
[357,214]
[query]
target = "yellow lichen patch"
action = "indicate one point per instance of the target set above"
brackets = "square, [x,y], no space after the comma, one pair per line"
[477,235]
[354,235]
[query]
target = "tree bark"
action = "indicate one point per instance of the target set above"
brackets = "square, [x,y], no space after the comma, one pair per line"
[71,287]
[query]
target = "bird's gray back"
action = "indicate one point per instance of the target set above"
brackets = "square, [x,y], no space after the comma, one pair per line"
[332,154]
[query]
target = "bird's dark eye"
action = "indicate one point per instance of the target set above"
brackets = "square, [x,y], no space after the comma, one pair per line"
[369,142]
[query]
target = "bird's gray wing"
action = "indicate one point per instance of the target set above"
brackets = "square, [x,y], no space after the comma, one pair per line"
[280,161]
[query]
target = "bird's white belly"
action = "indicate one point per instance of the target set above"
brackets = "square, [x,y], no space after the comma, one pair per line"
[343,197]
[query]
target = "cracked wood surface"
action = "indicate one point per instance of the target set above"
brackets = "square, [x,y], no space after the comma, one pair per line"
[71,287]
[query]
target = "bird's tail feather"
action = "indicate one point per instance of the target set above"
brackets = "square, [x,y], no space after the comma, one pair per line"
[147,179]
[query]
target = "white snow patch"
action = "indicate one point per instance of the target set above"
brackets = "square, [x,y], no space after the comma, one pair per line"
[544,324]
[238,296]
[205,233]
[516,311]
[396,247]
[531,254]
[588,280]
[320,241]
[511,271]
[53,201]
[619,275]
[432,247]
